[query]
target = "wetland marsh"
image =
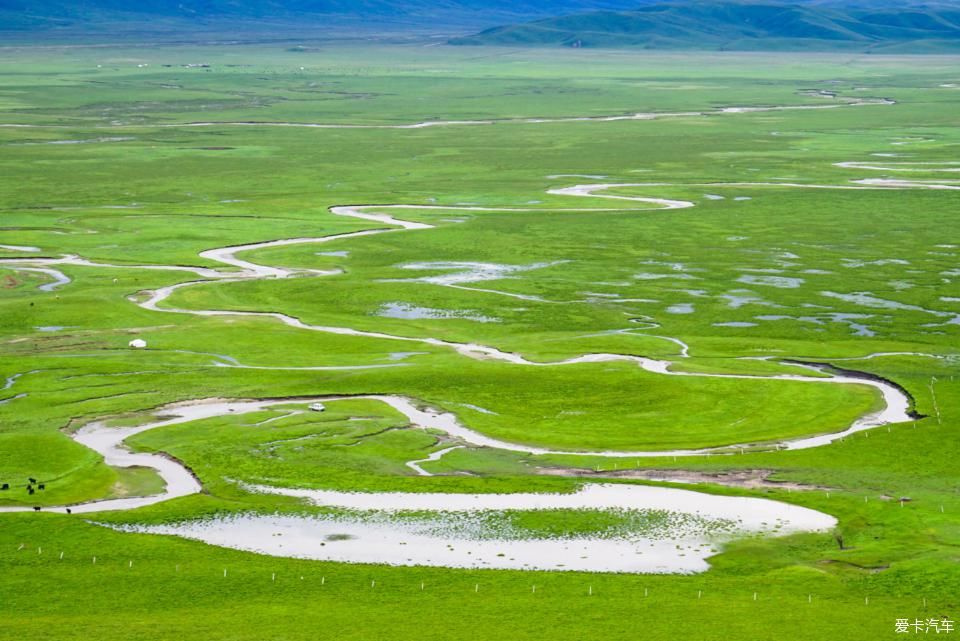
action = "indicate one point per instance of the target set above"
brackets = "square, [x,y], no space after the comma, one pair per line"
[528,290]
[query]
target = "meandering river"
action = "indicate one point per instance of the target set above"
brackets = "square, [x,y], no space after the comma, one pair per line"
[362,539]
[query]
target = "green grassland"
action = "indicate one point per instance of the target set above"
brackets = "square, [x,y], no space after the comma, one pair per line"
[137,191]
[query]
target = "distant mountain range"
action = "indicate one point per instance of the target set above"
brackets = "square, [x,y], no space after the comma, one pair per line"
[887,25]
[53,15]
[875,26]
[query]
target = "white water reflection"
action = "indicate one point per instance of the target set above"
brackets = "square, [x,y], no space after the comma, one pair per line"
[416,544]
[680,529]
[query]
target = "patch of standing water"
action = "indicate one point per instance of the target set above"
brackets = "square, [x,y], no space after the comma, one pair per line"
[460,530]
[400,356]
[681,308]
[854,263]
[407,311]
[677,267]
[901,285]
[652,276]
[782,282]
[866,299]
[858,329]
[462,273]
[735,324]
[740,297]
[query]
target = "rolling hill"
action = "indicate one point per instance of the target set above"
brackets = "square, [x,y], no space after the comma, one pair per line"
[744,26]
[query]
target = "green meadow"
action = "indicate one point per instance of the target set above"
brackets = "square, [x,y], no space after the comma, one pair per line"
[126,158]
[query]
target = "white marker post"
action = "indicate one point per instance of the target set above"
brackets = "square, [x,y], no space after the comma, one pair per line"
[933,394]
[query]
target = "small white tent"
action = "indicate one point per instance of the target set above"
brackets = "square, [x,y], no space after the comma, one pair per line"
[138,343]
